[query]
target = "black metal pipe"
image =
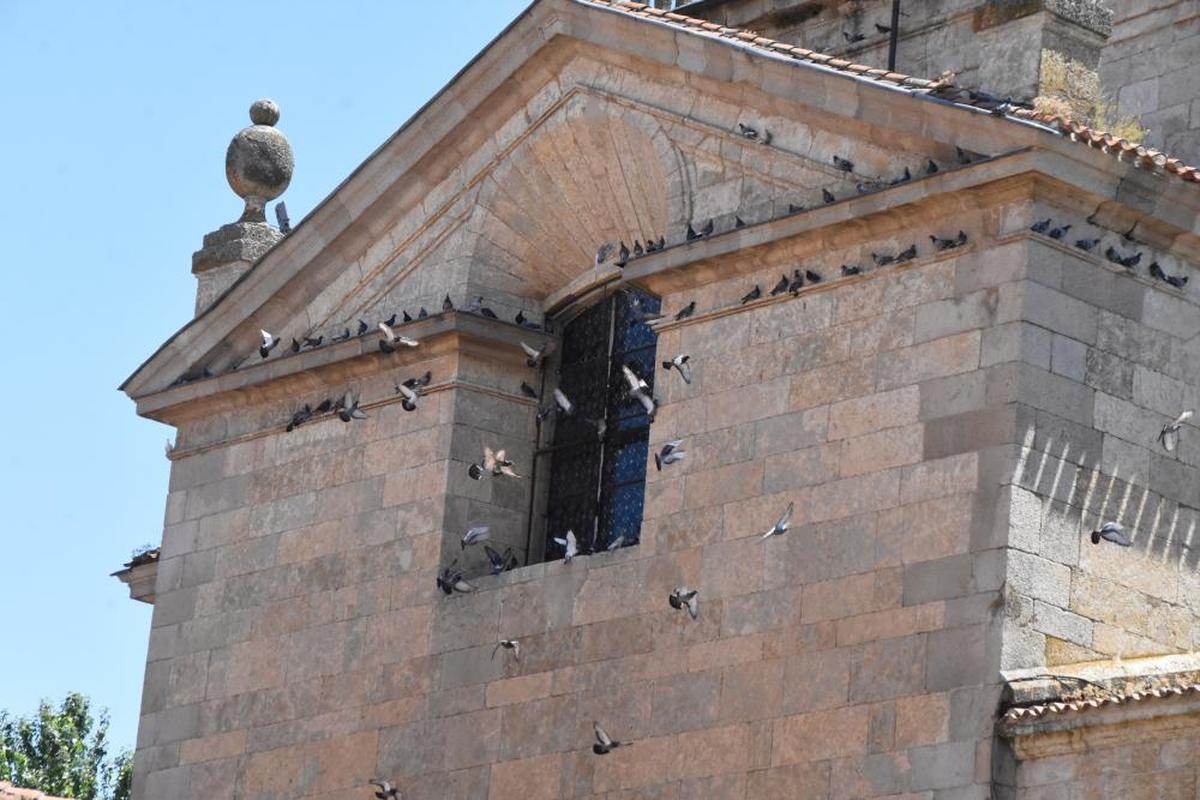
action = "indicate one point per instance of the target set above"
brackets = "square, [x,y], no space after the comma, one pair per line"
[894,36]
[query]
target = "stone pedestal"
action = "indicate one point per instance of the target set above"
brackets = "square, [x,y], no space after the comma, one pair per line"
[227,254]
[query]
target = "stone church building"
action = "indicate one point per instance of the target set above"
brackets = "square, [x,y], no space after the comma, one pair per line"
[945,327]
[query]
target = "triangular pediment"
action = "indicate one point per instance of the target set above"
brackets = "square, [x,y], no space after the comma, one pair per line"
[581,124]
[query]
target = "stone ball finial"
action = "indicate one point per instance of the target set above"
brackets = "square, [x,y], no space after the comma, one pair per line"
[258,163]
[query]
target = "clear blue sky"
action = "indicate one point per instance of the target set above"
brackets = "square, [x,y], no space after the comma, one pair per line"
[114,126]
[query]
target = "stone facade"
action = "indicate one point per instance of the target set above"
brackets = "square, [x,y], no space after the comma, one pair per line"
[949,429]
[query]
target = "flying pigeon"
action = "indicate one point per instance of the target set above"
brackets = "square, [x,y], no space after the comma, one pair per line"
[843,164]
[269,343]
[604,742]
[451,580]
[415,383]
[781,287]
[669,454]
[949,244]
[753,294]
[680,363]
[386,790]
[639,390]
[686,311]
[1058,233]
[682,597]
[827,196]
[477,534]
[848,270]
[508,644]
[781,526]
[447,304]
[1041,227]
[410,395]
[497,464]
[535,356]
[561,405]
[617,542]
[500,561]
[570,545]
[389,341]
[349,409]
[1168,437]
[1111,532]
[602,254]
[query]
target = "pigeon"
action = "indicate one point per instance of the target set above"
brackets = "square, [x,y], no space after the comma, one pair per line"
[416,383]
[269,343]
[311,342]
[907,176]
[1129,262]
[1111,532]
[617,542]
[781,287]
[691,233]
[851,38]
[931,167]
[535,356]
[622,255]
[738,222]
[341,337]
[753,294]
[680,363]
[686,311]
[882,259]
[524,322]
[638,250]
[479,533]
[561,405]
[362,327]
[843,164]
[828,196]
[963,156]
[682,597]
[1041,227]
[848,270]
[652,246]
[349,409]
[781,526]
[794,208]
[707,229]
[170,448]
[797,282]
[389,341]
[662,243]
[447,304]
[669,454]
[1178,281]
[865,187]
[1168,437]
[476,306]
[602,254]
[604,742]
[386,790]
[325,407]
[569,544]
[508,644]
[638,314]
[295,345]
[883,28]
[300,417]
[1058,233]
[406,317]
[281,217]
[528,391]
[422,313]
[747,132]
[451,580]
[907,255]
[639,390]
[1086,245]
[497,464]
[500,562]
[812,277]
[410,394]
[949,244]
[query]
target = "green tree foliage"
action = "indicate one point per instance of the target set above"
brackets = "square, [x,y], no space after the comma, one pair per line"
[64,752]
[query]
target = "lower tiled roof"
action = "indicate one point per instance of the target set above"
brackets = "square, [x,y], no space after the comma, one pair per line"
[1030,713]
[10,792]
[942,88]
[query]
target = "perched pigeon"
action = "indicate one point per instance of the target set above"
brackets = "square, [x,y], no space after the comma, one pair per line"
[781,287]
[405,316]
[1111,532]
[341,337]
[883,28]
[300,417]
[326,406]
[639,390]
[1086,245]
[447,304]
[686,311]
[753,294]
[1041,227]
[508,644]
[269,343]
[569,544]
[638,250]
[812,277]
[422,313]
[389,341]
[604,742]
[797,282]
[524,322]
[848,270]
[1129,262]
[410,395]
[851,38]
[605,250]
[691,233]
[707,229]
[622,255]
[528,391]
[680,363]
[1058,233]
[843,164]
[963,156]
[747,132]
[828,196]
[907,255]
[500,562]
[1168,437]
[904,178]
[477,307]
[669,454]
[311,342]
[882,259]
[949,244]
[349,409]
[931,167]
[386,790]
[1178,281]
[781,526]
[363,327]
[738,222]
[479,533]
[535,356]
[682,597]
[295,345]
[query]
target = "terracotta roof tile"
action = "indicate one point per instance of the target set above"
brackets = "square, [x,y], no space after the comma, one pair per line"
[943,88]
[1030,713]
[10,792]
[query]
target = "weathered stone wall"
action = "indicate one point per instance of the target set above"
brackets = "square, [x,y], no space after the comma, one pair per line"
[1151,67]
